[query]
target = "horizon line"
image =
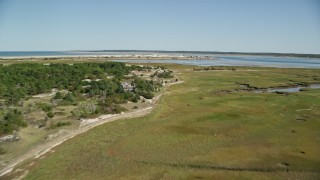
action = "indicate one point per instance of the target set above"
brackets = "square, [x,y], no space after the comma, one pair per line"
[169,51]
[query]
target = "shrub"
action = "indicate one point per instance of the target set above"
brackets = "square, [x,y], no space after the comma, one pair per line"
[58,95]
[60,124]
[45,107]
[50,115]
[165,74]
[136,98]
[11,121]
[147,95]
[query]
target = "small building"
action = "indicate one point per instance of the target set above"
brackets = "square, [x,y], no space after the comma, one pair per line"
[127,87]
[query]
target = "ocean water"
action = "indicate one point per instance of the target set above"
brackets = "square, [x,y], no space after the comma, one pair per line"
[48,53]
[220,60]
[258,61]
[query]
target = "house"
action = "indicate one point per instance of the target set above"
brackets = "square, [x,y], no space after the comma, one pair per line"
[127,87]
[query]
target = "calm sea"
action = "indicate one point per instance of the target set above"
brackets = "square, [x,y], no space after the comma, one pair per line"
[220,60]
[48,53]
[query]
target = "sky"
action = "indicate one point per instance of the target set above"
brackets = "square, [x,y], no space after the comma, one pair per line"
[287,26]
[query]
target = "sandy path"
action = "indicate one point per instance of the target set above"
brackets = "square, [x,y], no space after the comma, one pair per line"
[39,150]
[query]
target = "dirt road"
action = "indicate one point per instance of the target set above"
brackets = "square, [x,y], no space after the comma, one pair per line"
[41,149]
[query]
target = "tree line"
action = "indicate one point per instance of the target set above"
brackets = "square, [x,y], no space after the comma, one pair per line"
[81,81]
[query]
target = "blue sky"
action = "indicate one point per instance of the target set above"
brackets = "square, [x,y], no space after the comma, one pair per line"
[206,25]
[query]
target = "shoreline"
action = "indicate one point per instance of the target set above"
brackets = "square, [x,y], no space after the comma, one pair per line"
[110,57]
[147,57]
[77,53]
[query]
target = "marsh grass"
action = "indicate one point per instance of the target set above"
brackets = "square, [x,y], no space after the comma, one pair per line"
[195,134]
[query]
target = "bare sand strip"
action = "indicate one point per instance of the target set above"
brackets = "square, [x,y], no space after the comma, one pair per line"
[129,56]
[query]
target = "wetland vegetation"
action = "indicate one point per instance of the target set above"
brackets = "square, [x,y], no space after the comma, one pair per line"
[197,133]
[39,101]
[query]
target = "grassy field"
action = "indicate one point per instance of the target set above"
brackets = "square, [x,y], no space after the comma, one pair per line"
[201,131]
